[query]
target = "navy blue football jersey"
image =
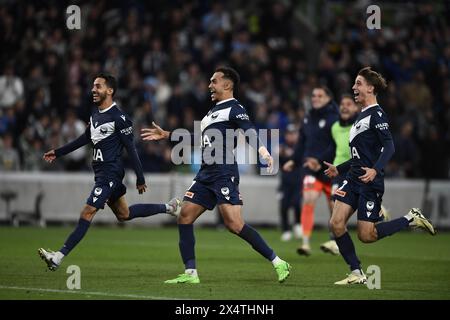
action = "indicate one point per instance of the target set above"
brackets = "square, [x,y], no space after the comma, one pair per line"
[109,131]
[371,143]
[217,145]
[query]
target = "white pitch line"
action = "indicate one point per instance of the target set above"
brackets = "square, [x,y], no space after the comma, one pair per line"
[91,293]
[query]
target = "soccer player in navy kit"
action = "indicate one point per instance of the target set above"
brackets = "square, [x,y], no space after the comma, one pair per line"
[217,182]
[371,147]
[109,130]
[315,137]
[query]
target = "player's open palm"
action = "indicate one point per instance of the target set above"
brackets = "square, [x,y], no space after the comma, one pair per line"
[155,133]
[331,171]
[49,156]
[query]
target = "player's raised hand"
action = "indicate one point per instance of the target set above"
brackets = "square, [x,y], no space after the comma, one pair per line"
[49,156]
[269,160]
[289,166]
[369,175]
[155,133]
[312,163]
[331,171]
[141,188]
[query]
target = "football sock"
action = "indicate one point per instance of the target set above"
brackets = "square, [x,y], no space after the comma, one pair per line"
[305,240]
[385,229]
[192,272]
[257,242]
[75,236]
[187,244]
[347,250]
[276,261]
[307,219]
[146,210]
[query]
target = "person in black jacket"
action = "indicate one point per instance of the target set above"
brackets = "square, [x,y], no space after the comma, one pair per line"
[315,137]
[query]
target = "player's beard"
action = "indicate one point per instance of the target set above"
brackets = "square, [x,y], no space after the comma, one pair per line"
[101,98]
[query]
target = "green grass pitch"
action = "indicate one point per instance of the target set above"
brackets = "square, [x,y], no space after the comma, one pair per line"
[132,263]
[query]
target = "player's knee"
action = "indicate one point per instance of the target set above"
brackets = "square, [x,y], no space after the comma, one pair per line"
[88,213]
[234,226]
[123,218]
[366,236]
[337,226]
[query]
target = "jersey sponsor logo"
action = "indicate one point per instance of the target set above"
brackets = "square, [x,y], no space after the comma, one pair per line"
[206,142]
[97,155]
[98,191]
[189,194]
[123,117]
[243,116]
[370,205]
[127,131]
[322,123]
[382,126]
[355,153]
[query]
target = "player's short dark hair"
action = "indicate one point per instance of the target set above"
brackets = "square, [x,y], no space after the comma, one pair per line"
[110,81]
[230,74]
[325,89]
[373,78]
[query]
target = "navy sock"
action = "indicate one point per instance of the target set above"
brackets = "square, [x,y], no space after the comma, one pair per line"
[348,252]
[145,210]
[75,236]
[257,242]
[187,244]
[385,229]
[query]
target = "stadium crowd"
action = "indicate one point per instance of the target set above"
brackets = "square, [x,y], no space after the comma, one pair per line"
[163,52]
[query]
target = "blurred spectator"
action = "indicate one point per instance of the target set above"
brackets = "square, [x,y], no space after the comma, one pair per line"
[71,129]
[11,88]
[9,157]
[163,52]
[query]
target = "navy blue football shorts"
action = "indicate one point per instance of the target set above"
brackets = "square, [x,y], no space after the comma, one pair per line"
[208,195]
[364,198]
[105,191]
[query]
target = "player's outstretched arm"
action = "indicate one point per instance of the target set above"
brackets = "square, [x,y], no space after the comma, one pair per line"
[82,140]
[155,133]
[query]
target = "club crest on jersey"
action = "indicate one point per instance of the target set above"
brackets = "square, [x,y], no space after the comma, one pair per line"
[98,191]
[370,205]
[322,123]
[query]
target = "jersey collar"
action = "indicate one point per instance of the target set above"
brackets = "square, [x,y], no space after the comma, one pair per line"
[223,101]
[370,106]
[104,110]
